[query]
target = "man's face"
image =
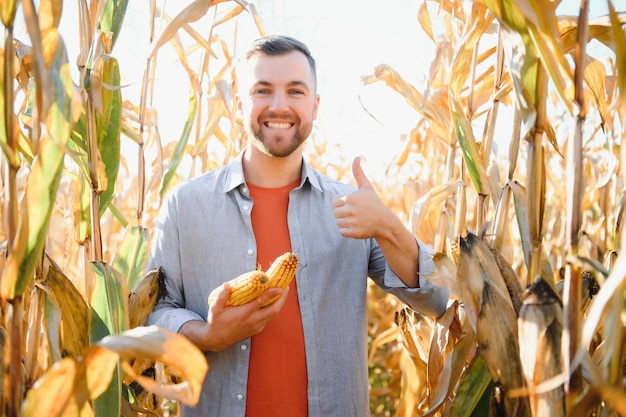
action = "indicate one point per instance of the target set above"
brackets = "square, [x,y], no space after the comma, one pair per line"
[278,102]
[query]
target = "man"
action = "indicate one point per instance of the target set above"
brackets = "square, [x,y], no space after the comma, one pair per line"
[306,354]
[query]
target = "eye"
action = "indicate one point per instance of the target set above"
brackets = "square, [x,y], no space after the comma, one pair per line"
[296,92]
[262,91]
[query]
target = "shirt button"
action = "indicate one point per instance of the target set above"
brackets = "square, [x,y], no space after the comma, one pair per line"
[245,207]
[244,347]
[240,397]
[250,251]
[244,190]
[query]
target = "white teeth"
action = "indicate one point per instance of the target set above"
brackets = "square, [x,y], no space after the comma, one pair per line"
[278,126]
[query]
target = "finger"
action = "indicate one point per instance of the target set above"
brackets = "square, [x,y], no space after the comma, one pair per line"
[270,294]
[339,201]
[223,295]
[339,213]
[359,175]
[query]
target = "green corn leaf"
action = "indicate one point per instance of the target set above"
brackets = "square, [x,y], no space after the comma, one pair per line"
[472,387]
[82,213]
[112,18]
[179,151]
[109,316]
[78,145]
[132,255]
[43,179]
[4,140]
[469,148]
[536,23]
[105,90]
[109,313]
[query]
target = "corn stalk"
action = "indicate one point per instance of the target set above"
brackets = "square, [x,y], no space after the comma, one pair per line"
[559,271]
[83,331]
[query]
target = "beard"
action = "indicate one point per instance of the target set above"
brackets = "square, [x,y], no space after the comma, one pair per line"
[278,144]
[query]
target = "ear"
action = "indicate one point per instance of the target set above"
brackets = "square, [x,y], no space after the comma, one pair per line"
[239,105]
[316,106]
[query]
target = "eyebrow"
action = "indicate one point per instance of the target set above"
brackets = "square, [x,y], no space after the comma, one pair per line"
[295,83]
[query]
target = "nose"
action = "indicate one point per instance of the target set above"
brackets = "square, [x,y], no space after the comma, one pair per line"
[279,102]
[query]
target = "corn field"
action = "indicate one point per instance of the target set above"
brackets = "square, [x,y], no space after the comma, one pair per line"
[513,173]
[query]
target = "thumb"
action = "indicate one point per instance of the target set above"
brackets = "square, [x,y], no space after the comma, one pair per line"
[359,175]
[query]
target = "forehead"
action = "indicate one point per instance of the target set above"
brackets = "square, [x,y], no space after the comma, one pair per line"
[276,70]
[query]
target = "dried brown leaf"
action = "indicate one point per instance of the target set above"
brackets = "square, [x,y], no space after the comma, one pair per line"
[169,348]
[73,308]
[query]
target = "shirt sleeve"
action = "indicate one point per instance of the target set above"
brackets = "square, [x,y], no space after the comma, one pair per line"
[170,312]
[427,298]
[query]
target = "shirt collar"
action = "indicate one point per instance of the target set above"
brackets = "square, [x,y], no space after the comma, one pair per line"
[234,174]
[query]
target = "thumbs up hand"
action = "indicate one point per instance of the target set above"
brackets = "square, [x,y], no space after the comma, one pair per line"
[361,214]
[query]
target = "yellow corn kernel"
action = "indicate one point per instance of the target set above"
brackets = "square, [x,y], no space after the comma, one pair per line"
[244,288]
[281,272]
[454,250]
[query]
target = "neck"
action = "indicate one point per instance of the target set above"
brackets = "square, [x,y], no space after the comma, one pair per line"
[271,172]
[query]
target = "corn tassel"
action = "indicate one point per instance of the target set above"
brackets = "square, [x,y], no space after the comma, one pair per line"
[281,273]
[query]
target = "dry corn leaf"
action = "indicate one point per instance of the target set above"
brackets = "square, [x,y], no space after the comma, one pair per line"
[423,16]
[440,360]
[425,214]
[73,308]
[513,285]
[595,78]
[445,275]
[193,12]
[165,347]
[52,391]
[619,39]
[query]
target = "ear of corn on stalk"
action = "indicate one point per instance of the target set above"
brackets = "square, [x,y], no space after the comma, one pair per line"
[492,315]
[144,297]
[250,285]
[540,329]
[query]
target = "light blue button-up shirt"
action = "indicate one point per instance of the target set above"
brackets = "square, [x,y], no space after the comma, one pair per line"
[204,237]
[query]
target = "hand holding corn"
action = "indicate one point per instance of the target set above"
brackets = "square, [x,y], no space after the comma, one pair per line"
[249,286]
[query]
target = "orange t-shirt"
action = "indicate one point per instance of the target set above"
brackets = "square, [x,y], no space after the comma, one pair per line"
[277,376]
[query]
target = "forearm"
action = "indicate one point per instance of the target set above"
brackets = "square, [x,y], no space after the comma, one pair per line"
[197,333]
[400,250]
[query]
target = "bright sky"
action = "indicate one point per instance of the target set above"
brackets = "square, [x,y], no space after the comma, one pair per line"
[348,39]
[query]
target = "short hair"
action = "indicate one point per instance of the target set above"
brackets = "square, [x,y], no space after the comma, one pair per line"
[281,45]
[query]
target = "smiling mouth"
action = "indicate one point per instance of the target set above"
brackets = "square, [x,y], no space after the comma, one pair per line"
[278,125]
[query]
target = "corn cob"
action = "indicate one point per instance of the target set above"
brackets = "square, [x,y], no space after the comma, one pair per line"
[148,291]
[244,288]
[281,273]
